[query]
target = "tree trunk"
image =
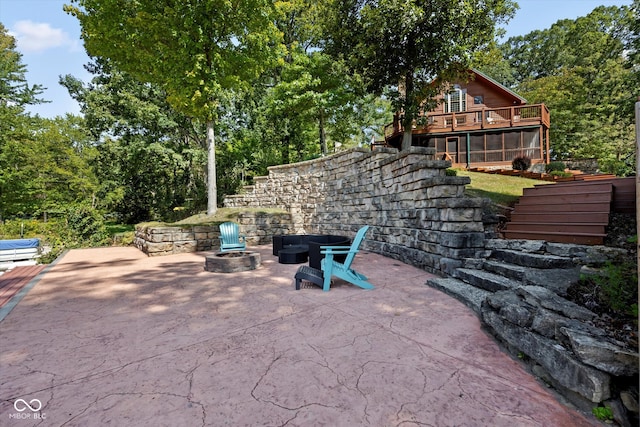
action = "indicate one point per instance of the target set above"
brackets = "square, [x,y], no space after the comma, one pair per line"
[212,191]
[323,136]
[285,142]
[407,120]
[406,138]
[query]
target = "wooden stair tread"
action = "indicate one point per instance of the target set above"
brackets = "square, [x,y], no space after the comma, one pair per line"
[571,217]
[563,228]
[567,189]
[575,207]
[563,213]
[586,224]
[555,233]
[557,199]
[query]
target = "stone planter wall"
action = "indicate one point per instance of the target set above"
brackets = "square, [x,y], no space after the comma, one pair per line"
[417,212]
[155,240]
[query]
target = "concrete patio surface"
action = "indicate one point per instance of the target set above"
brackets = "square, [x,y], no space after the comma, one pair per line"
[112,337]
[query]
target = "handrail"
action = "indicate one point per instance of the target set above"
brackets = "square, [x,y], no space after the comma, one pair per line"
[486,118]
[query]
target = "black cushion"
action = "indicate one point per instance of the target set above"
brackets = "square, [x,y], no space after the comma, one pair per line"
[292,255]
[310,243]
[315,247]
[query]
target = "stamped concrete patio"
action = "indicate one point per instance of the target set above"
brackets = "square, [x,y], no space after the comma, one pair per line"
[112,337]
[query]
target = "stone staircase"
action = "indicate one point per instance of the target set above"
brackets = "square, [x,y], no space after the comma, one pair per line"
[511,264]
[518,292]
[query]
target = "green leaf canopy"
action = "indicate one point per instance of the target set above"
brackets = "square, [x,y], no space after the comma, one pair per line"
[411,43]
[192,48]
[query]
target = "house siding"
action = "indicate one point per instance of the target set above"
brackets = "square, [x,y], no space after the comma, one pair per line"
[497,130]
[492,97]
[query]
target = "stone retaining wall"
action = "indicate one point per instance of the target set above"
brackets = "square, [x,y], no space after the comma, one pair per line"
[258,227]
[418,214]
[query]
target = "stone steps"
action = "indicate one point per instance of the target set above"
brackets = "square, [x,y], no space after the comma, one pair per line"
[471,296]
[531,260]
[516,272]
[485,280]
[518,293]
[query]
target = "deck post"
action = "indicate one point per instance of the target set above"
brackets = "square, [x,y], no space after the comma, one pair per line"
[468,150]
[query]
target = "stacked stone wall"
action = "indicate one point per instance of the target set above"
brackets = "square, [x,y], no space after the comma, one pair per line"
[156,240]
[418,214]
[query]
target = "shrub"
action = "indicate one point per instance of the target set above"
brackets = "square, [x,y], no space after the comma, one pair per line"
[559,173]
[86,226]
[619,287]
[603,413]
[555,166]
[613,290]
[521,163]
[451,172]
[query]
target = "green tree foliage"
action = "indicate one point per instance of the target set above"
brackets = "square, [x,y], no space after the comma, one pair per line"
[44,164]
[314,102]
[321,107]
[633,48]
[47,168]
[193,49]
[151,161]
[581,70]
[15,94]
[409,44]
[308,105]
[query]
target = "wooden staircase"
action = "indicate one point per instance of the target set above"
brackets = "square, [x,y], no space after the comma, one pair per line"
[570,212]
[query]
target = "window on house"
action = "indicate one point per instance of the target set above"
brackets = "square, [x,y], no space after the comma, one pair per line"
[456,100]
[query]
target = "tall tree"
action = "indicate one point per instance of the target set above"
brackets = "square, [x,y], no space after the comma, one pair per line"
[633,48]
[194,49]
[47,168]
[15,91]
[583,71]
[418,45]
[15,123]
[150,157]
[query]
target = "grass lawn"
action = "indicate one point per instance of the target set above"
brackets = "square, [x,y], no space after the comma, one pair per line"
[221,215]
[501,189]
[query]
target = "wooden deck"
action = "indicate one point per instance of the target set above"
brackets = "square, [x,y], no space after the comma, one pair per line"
[14,280]
[475,119]
[572,211]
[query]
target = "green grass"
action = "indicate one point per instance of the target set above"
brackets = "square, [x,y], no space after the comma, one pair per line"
[501,189]
[221,215]
[116,228]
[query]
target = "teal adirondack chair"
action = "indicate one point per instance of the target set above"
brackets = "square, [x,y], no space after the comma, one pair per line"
[230,238]
[331,267]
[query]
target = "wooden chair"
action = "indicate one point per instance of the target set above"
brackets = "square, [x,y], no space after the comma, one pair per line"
[230,238]
[331,267]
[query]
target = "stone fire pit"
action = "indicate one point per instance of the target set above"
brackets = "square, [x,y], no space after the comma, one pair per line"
[232,262]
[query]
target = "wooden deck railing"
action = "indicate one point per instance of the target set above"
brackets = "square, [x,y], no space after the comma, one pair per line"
[487,118]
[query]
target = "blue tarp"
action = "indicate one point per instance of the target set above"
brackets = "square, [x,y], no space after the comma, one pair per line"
[19,244]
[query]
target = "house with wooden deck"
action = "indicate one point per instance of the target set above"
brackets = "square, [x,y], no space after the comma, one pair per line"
[479,123]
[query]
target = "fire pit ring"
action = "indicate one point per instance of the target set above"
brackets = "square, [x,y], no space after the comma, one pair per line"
[232,262]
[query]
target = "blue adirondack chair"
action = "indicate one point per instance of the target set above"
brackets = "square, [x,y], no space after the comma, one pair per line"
[230,238]
[331,267]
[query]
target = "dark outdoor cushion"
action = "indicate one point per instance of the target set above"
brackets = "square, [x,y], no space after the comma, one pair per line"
[315,244]
[311,242]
